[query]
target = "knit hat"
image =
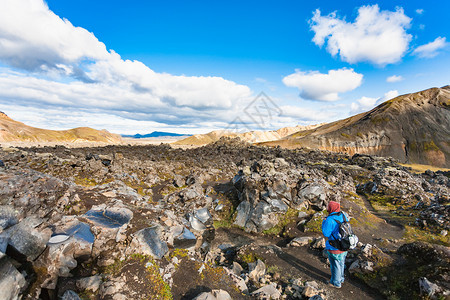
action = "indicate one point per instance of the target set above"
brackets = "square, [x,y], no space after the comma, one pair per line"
[333,207]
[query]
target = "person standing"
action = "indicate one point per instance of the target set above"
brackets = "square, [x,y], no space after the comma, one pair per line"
[330,229]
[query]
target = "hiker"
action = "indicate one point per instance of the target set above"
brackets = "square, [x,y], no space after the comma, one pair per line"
[330,229]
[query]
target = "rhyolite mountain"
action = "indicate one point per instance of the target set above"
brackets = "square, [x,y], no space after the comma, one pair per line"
[413,128]
[14,131]
[256,136]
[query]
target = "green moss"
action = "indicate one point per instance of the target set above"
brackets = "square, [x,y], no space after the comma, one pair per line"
[171,189]
[413,233]
[179,253]
[248,257]
[115,268]
[430,146]
[85,181]
[379,120]
[315,224]
[158,288]
[345,135]
[87,295]
[382,202]
[289,217]
[359,134]
[272,269]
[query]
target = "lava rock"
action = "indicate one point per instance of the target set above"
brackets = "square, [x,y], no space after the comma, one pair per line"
[148,242]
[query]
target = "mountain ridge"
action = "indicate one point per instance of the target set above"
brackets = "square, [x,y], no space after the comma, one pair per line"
[154,134]
[15,131]
[413,128]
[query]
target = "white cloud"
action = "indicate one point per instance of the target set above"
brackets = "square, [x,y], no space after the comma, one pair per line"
[375,36]
[431,49]
[394,78]
[43,43]
[366,103]
[324,87]
[419,11]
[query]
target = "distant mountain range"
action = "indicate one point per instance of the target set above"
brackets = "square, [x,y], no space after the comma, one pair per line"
[14,131]
[154,134]
[251,136]
[413,128]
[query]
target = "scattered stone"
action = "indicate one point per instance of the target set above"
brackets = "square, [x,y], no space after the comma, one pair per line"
[12,282]
[112,217]
[8,216]
[427,288]
[269,291]
[89,283]
[319,243]
[214,295]
[27,240]
[148,242]
[70,295]
[309,291]
[301,241]
[257,270]
[237,268]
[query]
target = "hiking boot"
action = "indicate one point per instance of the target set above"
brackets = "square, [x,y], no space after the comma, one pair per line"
[335,286]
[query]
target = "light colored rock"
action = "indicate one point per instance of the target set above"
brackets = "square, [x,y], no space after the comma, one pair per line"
[70,295]
[313,284]
[309,291]
[28,240]
[12,282]
[319,243]
[238,280]
[8,216]
[120,297]
[237,268]
[111,217]
[302,214]
[56,239]
[214,295]
[203,215]
[148,242]
[109,194]
[427,288]
[366,250]
[89,283]
[301,241]
[257,270]
[267,292]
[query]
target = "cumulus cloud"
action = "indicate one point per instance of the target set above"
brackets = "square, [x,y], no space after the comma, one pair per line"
[314,85]
[366,103]
[431,49]
[419,11]
[69,66]
[394,78]
[378,37]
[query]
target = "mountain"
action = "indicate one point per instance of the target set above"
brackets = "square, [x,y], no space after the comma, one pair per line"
[14,131]
[251,136]
[154,134]
[413,128]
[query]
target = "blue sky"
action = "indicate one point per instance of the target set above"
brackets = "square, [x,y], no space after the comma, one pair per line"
[191,67]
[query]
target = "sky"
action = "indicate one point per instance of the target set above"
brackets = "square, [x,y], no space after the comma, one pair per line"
[196,66]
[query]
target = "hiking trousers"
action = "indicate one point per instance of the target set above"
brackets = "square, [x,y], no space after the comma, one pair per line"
[337,266]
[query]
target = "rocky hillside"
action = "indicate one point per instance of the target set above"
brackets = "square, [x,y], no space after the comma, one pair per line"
[250,136]
[413,128]
[224,221]
[13,131]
